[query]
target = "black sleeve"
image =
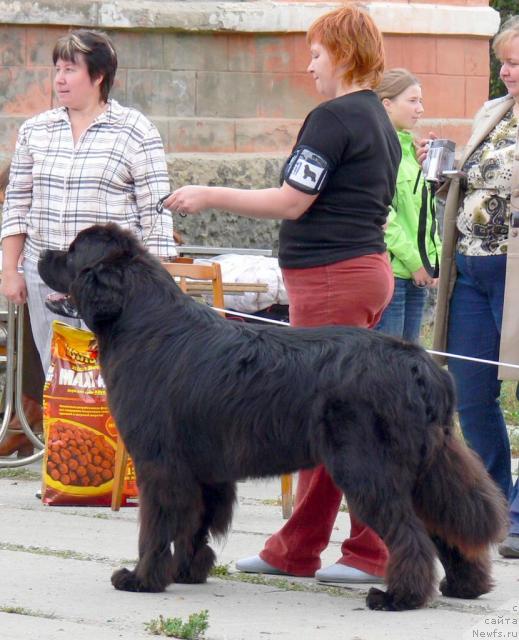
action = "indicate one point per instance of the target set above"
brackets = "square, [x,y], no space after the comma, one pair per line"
[318,152]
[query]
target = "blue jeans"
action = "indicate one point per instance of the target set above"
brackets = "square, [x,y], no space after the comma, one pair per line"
[476,311]
[403,315]
[514,509]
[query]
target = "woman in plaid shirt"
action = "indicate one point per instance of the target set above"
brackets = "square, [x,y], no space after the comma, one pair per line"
[89,161]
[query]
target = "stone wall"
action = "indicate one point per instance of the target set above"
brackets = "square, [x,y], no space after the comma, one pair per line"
[237,170]
[227,81]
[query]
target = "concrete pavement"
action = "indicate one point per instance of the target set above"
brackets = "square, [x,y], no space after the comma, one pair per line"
[56,562]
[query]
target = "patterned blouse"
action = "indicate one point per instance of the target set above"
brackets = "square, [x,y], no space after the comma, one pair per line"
[115,173]
[483,215]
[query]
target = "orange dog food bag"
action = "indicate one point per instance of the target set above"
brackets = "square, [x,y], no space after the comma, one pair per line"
[80,433]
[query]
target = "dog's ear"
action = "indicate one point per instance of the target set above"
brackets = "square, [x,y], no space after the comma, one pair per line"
[98,293]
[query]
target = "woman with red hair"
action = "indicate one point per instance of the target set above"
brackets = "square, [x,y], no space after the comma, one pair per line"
[333,201]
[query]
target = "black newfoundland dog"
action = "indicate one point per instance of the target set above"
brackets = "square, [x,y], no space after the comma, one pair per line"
[202,402]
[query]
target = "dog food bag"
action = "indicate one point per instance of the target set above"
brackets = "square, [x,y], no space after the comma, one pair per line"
[80,433]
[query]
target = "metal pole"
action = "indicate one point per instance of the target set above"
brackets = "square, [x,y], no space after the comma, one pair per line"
[14,372]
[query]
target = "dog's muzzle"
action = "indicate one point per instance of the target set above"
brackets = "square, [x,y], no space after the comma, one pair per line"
[61,305]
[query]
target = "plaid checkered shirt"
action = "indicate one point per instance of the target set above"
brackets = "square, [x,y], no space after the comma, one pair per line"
[115,173]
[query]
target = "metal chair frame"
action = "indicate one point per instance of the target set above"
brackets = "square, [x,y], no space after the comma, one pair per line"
[13,387]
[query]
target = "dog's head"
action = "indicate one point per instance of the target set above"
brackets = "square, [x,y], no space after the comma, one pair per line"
[92,271]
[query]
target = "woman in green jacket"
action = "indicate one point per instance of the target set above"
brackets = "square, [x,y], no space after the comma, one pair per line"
[401,96]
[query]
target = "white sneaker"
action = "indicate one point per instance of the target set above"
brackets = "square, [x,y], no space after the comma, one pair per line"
[255,564]
[344,574]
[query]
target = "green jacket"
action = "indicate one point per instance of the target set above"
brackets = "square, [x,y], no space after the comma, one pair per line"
[401,234]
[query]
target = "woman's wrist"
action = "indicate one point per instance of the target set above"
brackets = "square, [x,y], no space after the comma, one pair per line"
[10,271]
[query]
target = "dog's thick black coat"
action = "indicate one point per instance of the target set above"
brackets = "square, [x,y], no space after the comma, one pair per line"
[202,402]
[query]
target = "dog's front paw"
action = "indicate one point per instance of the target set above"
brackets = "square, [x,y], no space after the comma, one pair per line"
[189,578]
[125,580]
[379,600]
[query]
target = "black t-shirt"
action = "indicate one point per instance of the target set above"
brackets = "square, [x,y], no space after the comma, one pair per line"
[351,152]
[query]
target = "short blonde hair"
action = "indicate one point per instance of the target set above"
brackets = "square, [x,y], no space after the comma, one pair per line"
[509,30]
[354,41]
[394,82]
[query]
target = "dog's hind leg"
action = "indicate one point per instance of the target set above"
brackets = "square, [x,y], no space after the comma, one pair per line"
[194,565]
[410,573]
[379,502]
[465,512]
[464,578]
[377,482]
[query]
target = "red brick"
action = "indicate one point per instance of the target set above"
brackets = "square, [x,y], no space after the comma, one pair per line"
[292,95]
[457,131]
[450,56]
[301,52]
[215,135]
[266,134]
[444,96]
[194,51]
[476,94]
[262,53]
[12,45]
[40,43]
[458,2]
[119,89]
[141,50]
[234,95]
[23,91]
[477,57]
[419,54]
[394,49]
[9,127]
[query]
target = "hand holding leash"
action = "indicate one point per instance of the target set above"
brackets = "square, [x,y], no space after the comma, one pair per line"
[190,199]
[160,206]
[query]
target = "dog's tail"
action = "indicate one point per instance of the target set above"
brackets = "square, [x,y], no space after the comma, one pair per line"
[457,499]
[454,495]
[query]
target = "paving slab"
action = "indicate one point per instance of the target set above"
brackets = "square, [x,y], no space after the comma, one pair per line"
[56,564]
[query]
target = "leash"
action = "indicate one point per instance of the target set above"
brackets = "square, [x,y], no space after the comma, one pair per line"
[471,359]
[251,317]
[430,351]
[159,208]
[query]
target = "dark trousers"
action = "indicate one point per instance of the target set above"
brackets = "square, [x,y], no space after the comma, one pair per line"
[476,311]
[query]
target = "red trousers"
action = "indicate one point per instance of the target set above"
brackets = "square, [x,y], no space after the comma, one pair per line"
[353,292]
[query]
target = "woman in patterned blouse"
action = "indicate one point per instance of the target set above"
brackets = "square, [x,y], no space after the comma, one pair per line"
[479,293]
[89,161]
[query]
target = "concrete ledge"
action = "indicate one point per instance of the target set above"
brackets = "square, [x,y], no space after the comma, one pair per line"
[253,17]
[241,137]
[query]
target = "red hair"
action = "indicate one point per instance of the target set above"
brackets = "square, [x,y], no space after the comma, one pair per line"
[353,41]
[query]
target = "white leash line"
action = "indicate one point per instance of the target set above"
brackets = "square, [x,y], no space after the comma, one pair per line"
[480,360]
[431,351]
[247,315]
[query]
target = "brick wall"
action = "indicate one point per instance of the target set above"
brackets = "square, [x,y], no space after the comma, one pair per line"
[230,78]
[218,91]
